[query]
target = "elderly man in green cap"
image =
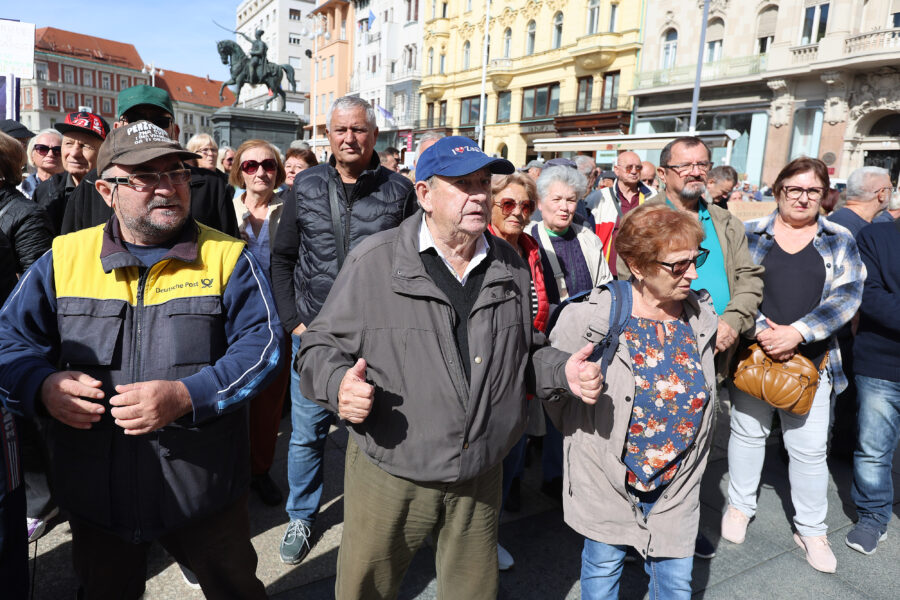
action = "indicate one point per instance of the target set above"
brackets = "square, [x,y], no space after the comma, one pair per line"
[210,193]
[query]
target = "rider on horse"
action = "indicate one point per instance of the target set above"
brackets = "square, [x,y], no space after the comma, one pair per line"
[258,51]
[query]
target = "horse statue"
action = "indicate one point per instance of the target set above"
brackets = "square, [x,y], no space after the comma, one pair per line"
[242,73]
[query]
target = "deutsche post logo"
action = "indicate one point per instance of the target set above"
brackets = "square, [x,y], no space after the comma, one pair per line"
[206,283]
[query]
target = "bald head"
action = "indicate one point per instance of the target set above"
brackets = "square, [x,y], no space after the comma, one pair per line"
[628,170]
[648,174]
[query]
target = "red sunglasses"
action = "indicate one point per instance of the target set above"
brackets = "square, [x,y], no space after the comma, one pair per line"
[508,205]
[251,166]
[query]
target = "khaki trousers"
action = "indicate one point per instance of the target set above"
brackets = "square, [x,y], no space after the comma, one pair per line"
[386,520]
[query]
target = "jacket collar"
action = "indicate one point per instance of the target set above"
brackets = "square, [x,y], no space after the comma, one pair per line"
[370,172]
[766,226]
[114,254]
[408,275]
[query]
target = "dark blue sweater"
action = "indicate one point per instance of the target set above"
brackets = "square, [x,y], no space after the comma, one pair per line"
[876,350]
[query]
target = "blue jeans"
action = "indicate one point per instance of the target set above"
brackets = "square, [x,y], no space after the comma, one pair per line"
[309,430]
[877,435]
[601,568]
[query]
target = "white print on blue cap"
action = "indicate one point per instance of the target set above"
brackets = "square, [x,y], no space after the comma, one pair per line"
[461,149]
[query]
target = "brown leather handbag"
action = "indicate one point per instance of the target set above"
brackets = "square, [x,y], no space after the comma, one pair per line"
[789,385]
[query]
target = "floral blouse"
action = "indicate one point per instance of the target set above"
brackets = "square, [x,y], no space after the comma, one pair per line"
[669,399]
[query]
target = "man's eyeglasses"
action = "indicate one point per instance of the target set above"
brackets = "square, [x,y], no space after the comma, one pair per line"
[141,182]
[250,167]
[794,192]
[630,168]
[680,267]
[685,168]
[44,149]
[508,205]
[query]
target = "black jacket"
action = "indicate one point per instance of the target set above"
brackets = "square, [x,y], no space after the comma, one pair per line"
[51,195]
[7,280]
[210,203]
[304,257]
[26,226]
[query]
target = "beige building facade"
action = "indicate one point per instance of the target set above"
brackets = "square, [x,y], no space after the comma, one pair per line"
[798,77]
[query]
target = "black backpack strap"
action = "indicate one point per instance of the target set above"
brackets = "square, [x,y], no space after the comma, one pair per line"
[336,224]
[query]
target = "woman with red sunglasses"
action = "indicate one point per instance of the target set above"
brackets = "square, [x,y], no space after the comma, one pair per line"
[258,171]
[44,160]
[514,198]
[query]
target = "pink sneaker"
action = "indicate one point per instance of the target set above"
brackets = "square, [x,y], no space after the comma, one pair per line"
[734,525]
[818,552]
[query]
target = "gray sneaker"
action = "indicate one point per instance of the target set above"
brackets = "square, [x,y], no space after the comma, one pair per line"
[296,543]
[864,538]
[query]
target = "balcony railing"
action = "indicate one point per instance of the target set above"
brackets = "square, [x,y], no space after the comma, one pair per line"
[800,55]
[873,41]
[405,74]
[371,38]
[500,64]
[596,105]
[722,69]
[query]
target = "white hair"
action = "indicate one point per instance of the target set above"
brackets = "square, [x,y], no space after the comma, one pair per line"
[585,164]
[857,183]
[350,103]
[33,141]
[567,175]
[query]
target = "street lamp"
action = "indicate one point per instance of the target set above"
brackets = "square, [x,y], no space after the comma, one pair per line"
[153,71]
[318,28]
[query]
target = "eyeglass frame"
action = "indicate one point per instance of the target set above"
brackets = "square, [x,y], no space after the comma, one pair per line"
[259,163]
[698,261]
[802,190]
[126,179]
[520,205]
[44,149]
[685,168]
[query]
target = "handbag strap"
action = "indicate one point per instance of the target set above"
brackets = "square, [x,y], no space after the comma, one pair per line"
[336,224]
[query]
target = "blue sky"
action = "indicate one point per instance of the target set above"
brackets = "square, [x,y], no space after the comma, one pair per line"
[174,35]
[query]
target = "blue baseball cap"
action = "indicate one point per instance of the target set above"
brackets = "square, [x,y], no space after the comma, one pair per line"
[458,155]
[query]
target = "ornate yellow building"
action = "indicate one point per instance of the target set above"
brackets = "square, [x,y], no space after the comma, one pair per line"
[555,68]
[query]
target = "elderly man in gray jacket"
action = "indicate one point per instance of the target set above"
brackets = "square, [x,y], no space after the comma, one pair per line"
[425,347]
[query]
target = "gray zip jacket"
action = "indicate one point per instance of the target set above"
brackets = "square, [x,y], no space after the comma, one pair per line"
[596,500]
[429,424]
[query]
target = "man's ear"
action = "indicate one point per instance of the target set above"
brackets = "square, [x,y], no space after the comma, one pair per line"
[105,189]
[423,193]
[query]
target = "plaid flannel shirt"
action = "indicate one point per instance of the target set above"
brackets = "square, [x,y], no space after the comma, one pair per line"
[845,275]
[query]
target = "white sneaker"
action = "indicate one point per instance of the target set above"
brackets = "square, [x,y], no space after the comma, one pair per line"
[504,558]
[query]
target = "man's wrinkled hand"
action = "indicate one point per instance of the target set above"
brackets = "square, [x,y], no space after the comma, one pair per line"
[725,336]
[583,376]
[68,395]
[146,406]
[355,396]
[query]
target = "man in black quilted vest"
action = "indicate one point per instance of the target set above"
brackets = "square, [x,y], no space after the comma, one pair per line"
[329,210]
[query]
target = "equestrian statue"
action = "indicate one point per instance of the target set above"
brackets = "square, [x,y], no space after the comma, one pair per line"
[254,69]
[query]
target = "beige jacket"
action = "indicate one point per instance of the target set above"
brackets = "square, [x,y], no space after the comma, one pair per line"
[596,500]
[243,214]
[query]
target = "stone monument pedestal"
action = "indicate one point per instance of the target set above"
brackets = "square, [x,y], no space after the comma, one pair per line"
[232,126]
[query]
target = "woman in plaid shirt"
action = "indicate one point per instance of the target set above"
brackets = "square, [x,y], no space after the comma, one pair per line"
[813,285]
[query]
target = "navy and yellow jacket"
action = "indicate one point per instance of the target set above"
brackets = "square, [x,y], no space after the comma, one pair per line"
[203,314]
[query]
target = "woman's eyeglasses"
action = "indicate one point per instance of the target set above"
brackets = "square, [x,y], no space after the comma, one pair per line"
[208,151]
[507,206]
[44,149]
[794,192]
[680,267]
[251,166]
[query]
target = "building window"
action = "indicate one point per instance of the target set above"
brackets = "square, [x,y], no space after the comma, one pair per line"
[669,48]
[557,30]
[444,10]
[429,121]
[807,132]
[434,13]
[87,78]
[542,101]
[470,110]
[40,71]
[294,39]
[107,105]
[105,81]
[442,115]
[88,103]
[69,98]
[68,75]
[507,42]
[331,66]
[610,91]
[467,52]
[585,92]
[504,103]
[593,17]
[765,29]
[295,62]
[529,38]
[294,14]
[815,23]
[443,64]
[895,19]
[430,61]
[412,10]
[27,95]
[468,5]
[613,13]
[715,32]
[123,82]
[52,98]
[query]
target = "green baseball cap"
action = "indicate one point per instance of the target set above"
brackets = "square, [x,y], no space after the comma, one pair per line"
[144,94]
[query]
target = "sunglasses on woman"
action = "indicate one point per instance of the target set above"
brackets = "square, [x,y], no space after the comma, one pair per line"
[508,205]
[680,267]
[44,149]
[251,166]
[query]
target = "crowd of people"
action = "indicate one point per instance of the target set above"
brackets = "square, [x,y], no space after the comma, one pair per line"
[162,302]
